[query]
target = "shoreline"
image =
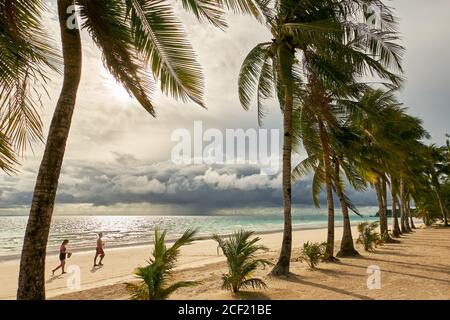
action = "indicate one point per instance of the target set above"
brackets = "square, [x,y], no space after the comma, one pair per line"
[16,256]
[120,262]
[402,265]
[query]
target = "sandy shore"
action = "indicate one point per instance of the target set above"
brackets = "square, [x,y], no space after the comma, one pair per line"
[416,268]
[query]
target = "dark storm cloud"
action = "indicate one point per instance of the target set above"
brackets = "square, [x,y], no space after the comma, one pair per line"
[195,186]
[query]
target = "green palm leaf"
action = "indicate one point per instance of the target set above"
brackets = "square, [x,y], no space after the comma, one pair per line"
[161,40]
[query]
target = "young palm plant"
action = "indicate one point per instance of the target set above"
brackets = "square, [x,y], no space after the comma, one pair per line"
[368,237]
[156,277]
[312,253]
[240,252]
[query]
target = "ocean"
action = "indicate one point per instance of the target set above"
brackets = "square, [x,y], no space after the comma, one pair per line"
[123,230]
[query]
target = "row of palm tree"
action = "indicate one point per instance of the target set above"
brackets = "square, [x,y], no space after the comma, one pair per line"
[355,132]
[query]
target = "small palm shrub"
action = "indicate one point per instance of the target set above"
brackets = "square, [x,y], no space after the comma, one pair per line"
[240,252]
[368,237]
[156,276]
[312,253]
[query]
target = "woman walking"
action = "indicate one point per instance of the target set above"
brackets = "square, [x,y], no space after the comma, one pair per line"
[62,257]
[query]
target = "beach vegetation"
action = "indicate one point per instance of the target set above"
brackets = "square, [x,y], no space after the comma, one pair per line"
[241,250]
[368,236]
[313,252]
[156,277]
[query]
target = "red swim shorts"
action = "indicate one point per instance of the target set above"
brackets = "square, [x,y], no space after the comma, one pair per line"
[100,251]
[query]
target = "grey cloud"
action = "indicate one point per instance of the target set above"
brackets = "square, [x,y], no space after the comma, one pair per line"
[201,187]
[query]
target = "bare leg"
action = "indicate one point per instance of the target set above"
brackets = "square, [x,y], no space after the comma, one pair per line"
[95,260]
[53,271]
[101,259]
[63,263]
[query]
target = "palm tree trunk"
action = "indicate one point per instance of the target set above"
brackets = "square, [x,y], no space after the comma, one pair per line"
[283,264]
[381,208]
[408,227]
[347,247]
[441,206]
[411,221]
[395,226]
[32,263]
[387,236]
[328,186]
[403,199]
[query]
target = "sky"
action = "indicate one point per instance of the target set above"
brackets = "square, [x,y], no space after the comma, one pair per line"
[118,158]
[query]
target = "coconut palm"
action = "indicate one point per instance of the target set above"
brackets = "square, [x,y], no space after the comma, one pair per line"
[437,168]
[344,143]
[142,43]
[331,78]
[155,278]
[240,252]
[314,31]
[25,57]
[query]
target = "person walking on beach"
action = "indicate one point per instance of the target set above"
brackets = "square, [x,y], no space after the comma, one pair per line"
[62,257]
[99,251]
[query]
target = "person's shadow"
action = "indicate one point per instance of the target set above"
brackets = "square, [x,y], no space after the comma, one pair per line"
[96,268]
[53,278]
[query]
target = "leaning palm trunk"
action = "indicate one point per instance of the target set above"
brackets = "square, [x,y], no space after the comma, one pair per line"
[441,206]
[411,221]
[381,208]
[403,199]
[282,266]
[347,248]
[32,263]
[395,226]
[408,226]
[329,190]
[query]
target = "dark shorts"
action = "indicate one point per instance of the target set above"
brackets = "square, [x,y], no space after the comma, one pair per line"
[62,256]
[100,251]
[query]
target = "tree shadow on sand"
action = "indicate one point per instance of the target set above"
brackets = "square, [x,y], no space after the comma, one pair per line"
[298,279]
[399,273]
[251,295]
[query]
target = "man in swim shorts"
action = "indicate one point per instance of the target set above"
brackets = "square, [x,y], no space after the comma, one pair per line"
[99,251]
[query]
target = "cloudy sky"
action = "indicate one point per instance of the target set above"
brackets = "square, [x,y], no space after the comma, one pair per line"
[118,158]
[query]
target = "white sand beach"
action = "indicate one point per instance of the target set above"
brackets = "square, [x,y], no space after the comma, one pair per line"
[416,268]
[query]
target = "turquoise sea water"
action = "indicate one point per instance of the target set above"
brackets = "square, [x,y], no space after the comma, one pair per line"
[127,230]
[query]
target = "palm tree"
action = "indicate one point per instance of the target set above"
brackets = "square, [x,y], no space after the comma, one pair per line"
[332,78]
[240,252]
[396,232]
[343,145]
[25,56]
[141,42]
[321,31]
[436,169]
[155,277]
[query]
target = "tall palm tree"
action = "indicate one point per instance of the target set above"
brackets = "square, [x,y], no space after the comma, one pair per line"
[343,143]
[332,77]
[315,31]
[437,168]
[142,42]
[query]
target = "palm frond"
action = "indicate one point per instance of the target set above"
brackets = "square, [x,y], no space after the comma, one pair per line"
[251,72]
[161,40]
[106,22]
